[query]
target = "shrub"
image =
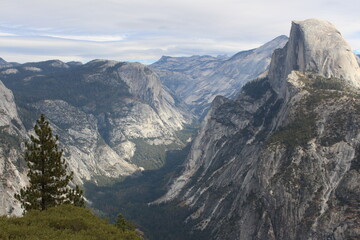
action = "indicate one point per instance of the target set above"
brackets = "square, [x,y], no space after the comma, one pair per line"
[61,222]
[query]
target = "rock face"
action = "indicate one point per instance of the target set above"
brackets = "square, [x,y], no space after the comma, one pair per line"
[110,117]
[198,79]
[12,133]
[317,47]
[282,160]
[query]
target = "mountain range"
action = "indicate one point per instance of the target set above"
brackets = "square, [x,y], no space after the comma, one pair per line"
[113,119]
[281,161]
[197,80]
[5,64]
[276,155]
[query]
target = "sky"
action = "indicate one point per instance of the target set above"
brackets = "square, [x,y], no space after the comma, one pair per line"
[145,30]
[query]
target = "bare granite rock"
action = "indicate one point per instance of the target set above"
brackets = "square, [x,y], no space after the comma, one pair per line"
[12,169]
[315,46]
[199,79]
[282,160]
[107,114]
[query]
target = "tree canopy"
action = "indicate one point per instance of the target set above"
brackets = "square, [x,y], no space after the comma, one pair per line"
[48,176]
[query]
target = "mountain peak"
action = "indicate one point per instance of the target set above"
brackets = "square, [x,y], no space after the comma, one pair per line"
[2,61]
[275,43]
[316,46]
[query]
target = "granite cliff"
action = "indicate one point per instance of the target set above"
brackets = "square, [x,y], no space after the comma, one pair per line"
[12,133]
[198,79]
[113,119]
[281,161]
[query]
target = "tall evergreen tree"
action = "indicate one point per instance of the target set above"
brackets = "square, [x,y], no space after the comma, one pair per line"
[47,172]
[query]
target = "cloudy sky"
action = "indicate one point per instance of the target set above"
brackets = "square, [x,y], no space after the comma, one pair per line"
[144,30]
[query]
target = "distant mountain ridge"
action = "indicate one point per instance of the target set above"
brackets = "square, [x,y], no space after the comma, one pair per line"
[5,64]
[198,79]
[112,118]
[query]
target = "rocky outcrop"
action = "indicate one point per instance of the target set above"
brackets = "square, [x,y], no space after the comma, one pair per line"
[86,152]
[110,117]
[282,160]
[12,134]
[316,46]
[198,79]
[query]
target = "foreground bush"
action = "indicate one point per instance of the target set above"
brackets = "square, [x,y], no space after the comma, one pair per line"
[65,222]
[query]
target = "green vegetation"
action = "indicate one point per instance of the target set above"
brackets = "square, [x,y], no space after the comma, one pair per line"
[313,81]
[298,132]
[69,85]
[187,133]
[131,197]
[302,128]
[123,224]
[47,173]
[328,83]
[151,156]
[62,222]
[256,88]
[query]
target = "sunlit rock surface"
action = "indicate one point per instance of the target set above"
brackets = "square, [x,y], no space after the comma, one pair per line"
[199,79]
[105,113]
[282,160]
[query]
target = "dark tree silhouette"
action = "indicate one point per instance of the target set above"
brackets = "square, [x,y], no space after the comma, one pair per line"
[49,180]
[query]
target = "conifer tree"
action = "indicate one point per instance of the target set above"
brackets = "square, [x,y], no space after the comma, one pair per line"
[47,173]
[123,224]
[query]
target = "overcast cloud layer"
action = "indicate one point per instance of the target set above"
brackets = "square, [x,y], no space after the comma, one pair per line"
[144,30]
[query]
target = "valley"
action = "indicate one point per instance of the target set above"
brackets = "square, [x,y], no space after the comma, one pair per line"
[260,145]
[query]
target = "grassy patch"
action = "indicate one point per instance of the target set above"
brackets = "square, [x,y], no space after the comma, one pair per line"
[62,222]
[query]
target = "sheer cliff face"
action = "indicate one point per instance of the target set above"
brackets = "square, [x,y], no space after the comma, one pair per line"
[282,160]
[198,79]
[12,133]
[107,115]
[315,46]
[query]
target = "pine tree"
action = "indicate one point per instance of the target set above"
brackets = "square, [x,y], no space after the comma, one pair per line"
[47,173]
[123,224]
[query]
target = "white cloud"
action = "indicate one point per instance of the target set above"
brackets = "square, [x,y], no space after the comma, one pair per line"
[4,34]
[93,38]
[24,49]
[142,29]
